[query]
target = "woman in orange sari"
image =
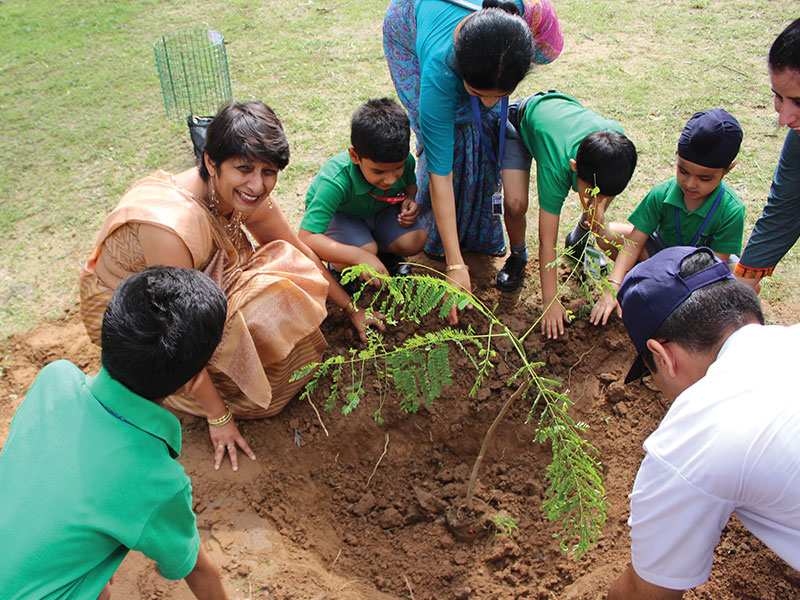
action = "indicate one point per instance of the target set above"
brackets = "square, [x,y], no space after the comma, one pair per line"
[222,219]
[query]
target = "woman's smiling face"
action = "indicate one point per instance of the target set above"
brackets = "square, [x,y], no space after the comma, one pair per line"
[242,183]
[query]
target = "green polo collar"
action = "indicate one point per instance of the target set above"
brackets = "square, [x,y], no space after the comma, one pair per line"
[360,185]
[137,411]
[675,198]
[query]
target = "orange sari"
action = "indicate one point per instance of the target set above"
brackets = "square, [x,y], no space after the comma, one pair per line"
[276,295]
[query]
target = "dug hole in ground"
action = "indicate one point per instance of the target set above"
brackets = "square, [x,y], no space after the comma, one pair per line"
[317,520]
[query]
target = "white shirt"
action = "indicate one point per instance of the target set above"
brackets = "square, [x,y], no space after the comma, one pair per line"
[729,443]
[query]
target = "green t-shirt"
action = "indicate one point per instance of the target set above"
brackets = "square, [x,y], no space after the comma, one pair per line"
[552,126]
[340,187]
[724,231]
[87,472]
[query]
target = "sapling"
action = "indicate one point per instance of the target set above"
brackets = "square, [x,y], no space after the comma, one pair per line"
[419,369]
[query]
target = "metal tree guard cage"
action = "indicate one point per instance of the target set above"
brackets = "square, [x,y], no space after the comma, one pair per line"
[193,69]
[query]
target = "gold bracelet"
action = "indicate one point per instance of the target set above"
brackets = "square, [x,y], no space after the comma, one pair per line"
[223,420]
[449,268]
[350,308]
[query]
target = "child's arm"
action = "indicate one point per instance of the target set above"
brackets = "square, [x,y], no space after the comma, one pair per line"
[331,250]
[626,259]
[554,313]
[204,579]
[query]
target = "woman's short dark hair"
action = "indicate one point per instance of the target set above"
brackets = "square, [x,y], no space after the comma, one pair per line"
[494,48]
[606,159]
[248,130]
[161,328]
[785,50]
[701,320]
[380,131]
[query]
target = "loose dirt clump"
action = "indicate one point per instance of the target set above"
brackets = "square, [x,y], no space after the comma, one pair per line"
[373,511]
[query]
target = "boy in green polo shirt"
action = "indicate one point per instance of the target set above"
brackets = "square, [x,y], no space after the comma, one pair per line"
[89,468]
[360,208]
[694,208]
[575,149]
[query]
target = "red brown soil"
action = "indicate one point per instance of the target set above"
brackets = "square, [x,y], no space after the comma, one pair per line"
[320,521]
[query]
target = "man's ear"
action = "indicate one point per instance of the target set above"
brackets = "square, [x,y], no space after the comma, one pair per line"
[573,164]
[354,157]
[665,359]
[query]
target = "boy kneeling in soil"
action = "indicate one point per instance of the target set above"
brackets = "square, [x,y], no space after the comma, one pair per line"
[89,468]
[694,208]
[575,148]
[360,207]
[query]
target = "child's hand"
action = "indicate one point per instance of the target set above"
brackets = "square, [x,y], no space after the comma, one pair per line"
[360,320]
[603,309]
[553,320]
[408,212]
[374,262]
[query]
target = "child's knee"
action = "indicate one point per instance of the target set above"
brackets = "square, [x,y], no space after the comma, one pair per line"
[409,243]
[515,205]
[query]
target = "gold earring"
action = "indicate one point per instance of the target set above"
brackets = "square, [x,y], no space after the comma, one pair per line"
[213,200]
[270,201]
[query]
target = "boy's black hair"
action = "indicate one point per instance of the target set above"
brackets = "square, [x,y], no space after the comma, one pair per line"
[380,131]
[160,329]
[606,159]
[701,320]
[785,50]
[250,130]
[494,48]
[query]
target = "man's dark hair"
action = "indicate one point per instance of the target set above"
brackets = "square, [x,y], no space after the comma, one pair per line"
[606,159]
[160,329]
[248,130]
[785,50]
[380,131]
[494,48]
[700,321]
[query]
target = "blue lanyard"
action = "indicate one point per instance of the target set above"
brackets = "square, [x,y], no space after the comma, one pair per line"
[703,226]
[476,117]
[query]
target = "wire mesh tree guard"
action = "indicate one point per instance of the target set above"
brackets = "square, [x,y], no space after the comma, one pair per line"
[193,68]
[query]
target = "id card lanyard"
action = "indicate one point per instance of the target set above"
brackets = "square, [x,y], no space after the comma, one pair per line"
[703,226]
[497,197]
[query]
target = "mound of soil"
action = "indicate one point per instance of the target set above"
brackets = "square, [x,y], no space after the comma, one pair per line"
[342,507]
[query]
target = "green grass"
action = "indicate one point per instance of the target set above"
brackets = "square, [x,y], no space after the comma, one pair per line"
[83,116]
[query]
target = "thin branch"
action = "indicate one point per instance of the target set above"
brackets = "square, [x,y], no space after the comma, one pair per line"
[408,584]
[319,418]
[582,356]
[487,438]
[385,448]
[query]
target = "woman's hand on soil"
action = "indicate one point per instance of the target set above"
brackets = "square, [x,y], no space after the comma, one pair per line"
[603,309]
[361,321]
[226,438]
[553,320]
[459,278]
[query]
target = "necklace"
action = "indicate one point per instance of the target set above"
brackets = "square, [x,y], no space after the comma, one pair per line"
[234,225]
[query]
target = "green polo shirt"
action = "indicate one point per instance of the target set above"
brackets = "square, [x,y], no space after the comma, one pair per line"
[724,231]
[340,187]
[87,472]
[552,126]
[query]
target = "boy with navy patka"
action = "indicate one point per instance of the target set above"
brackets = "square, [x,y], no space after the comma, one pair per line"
[89,468]
[360,208]
[694,208]
[728,444]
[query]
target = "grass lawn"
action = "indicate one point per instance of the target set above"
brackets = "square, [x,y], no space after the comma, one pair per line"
[83,116]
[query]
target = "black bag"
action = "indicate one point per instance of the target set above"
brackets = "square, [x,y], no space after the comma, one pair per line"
[197,130]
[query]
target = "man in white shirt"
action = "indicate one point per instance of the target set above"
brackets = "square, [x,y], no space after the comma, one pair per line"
[730,441]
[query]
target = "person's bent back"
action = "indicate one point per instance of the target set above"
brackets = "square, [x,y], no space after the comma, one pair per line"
[88,470]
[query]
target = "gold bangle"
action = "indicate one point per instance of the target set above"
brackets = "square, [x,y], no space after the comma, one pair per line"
[350,308]
[223,420]
[449,268]
[614,281]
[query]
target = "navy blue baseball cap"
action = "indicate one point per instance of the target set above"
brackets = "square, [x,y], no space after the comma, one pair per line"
[654,288]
